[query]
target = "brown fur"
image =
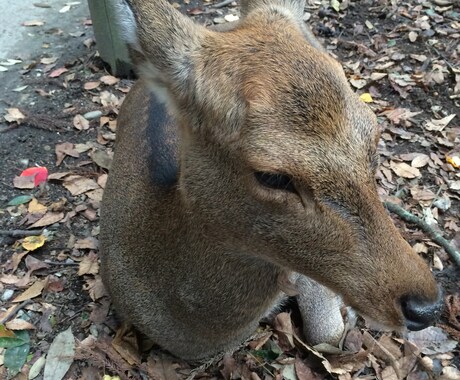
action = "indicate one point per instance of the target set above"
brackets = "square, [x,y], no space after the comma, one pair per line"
[197,264]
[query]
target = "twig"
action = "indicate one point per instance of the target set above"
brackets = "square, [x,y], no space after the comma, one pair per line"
[425,227]
[20,233]
[222,4]
[13,312]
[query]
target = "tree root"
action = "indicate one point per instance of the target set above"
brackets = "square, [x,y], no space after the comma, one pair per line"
[425,227]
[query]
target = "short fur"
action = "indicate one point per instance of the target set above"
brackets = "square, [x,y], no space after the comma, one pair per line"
[194,249]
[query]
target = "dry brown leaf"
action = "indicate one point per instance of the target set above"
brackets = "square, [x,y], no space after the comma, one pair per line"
[304,372]
[87,243]
[78,185]
[9,279]
[34,264]
[80,122]
[161,368]
[109,80]
[439,125]
[26,182]
[102,158]
[102,180]
[399,114]
[57,176]
[15,260]
[420,161]
[54,284]
[95,288]
[58,72]
[19,324]
[48,219]
[95,195]
[125,343]
[91,85]
[107,99]
[389,373]
[422,194]
[404,170]
[283,325]
[14,115]
[89,265]
[36,208]
[34,291]
[432,340]
[65,149]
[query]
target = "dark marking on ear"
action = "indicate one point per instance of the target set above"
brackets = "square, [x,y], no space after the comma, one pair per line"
[163,142]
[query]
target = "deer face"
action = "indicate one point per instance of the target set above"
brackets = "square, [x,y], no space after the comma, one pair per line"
[278,158]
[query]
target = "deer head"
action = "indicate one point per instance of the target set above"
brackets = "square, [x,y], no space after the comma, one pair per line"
[278,155]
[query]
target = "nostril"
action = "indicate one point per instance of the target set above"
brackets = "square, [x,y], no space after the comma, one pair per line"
[419,312]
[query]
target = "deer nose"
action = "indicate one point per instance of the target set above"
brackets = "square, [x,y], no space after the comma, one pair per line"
[419,312]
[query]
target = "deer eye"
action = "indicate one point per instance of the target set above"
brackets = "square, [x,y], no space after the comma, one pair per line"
[276,181]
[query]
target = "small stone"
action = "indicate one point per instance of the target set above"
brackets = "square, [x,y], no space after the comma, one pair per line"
[7,294]
[92,115]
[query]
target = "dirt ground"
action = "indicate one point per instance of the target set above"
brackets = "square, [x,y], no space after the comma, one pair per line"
[58,110]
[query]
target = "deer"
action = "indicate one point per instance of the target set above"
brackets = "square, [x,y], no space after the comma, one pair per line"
[244,174]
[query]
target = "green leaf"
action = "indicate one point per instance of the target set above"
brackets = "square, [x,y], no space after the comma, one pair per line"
[20,337]
[15,358]
[19,200]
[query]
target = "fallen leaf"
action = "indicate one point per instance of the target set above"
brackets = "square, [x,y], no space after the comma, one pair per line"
[21,199]
[36,208]
[24,182]
[34,264]
[420,161]
[39,174]
[366,97]
[439,124]
[37,367]
[283,325]
[88,243]
[48,60]
[60,356]
[14,115]
[48,219]
[109,80]
[63,150]
[91,85]
[404,170]
[54,284]
[80,122]
[102,158]
[89,265]
[58,72]
[19,324]
[31,243]
[399,114]
[95,288]
[431,341]
[78,185]
[33,291]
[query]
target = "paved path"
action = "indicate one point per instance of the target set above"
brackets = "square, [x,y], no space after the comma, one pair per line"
[18,41]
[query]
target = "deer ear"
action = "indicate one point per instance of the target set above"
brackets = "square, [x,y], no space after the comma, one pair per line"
[161,42]
[296,7]
[292,8]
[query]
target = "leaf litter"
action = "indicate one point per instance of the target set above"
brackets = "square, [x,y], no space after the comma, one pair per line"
[400,57]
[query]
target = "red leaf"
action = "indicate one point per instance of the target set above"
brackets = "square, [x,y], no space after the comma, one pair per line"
[39,173]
